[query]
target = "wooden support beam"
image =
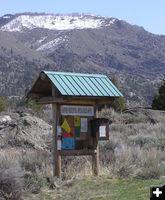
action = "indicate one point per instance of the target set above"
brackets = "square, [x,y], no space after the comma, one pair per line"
[104,101]
[95,162]
[56,155]
[50,100]
[79,152]
[95,157]
[73,100]
[81,101]
[66,101]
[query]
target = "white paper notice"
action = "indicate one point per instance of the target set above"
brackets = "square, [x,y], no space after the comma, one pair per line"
[59,130]
[84,125]
[102,131]
[58,144]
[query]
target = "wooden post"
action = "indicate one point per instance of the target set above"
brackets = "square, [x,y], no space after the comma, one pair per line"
[95,157]
[56,155]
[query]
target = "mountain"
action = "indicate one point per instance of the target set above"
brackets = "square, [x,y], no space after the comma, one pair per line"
[81,43]
[22,22]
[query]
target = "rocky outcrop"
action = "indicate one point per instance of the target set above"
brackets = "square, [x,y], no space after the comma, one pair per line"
[24,130]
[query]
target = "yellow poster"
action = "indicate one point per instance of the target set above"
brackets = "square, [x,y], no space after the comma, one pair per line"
[76,121]
[65,126]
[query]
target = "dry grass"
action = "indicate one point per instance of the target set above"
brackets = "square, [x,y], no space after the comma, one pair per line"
[137,144]
[11,184]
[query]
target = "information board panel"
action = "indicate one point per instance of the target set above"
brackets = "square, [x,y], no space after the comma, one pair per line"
[77,110]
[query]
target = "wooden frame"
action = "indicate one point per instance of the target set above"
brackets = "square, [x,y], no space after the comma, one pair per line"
[94,152]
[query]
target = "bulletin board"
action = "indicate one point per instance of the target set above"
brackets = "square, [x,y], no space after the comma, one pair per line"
[75,129]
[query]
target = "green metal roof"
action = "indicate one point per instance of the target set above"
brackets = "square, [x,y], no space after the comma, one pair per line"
[77,84]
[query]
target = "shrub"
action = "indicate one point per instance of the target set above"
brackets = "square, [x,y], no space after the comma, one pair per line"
[35,160]
[141,140]
[35,163]
[9,159]
[150,171]
[123,166]
[34,182]
[107,151]
[10,184]
[76,167]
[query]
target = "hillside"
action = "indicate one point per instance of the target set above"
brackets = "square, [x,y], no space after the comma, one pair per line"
[18,65]
[83,43]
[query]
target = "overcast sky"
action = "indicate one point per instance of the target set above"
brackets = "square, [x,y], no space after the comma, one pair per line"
[147,13]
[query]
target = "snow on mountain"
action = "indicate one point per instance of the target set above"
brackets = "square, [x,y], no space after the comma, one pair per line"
[53,44]
[6,17]
[55,22]
[41,40]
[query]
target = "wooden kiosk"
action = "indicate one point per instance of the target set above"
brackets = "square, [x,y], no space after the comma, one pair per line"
[76,126]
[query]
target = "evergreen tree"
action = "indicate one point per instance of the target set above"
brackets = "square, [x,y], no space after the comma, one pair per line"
[119,103]
[159,99]
[2,104]
[37,108]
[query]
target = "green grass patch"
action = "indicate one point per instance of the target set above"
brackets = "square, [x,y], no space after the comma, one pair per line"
[101,188]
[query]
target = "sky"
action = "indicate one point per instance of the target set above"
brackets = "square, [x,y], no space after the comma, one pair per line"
[147,13]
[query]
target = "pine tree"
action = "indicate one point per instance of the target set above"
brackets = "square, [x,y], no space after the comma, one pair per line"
[30,104]
[159,99]
[119,103]
[2,104]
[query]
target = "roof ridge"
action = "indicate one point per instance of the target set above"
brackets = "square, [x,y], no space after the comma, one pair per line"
[73,74]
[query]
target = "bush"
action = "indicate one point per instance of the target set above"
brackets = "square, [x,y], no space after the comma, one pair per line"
[150,171]
[76,167]
[9,159]
[33,161]
[141,140]
[34,182]
[123,166]
[10,185]
[107,151]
